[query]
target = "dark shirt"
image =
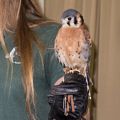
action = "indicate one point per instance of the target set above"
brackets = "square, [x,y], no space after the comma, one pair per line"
[12,98]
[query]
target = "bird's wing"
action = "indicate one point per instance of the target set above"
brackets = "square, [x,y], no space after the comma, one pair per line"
[86,32]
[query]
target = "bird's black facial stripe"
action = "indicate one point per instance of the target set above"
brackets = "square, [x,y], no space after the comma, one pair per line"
[75,20]
[68,23]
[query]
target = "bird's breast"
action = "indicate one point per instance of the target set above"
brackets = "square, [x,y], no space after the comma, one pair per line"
[70,33]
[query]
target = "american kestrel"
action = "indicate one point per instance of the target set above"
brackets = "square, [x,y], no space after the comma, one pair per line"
[73,42]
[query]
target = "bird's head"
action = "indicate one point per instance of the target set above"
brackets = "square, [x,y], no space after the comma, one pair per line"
[71,18]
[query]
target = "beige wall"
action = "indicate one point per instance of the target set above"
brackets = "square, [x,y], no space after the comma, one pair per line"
[108,103]
[58,6]
[103,19]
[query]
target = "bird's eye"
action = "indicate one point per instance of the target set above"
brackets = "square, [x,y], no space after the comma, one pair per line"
[69,18]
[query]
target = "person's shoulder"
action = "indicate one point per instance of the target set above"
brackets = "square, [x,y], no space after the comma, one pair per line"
[47,27]
[50,25]
[47,32]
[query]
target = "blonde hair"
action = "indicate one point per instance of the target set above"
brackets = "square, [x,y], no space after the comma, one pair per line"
[18,16]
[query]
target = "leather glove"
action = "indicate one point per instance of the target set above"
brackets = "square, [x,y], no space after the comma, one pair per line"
[69,100]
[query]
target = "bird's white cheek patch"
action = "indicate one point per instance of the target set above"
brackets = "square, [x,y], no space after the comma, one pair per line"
[64,21]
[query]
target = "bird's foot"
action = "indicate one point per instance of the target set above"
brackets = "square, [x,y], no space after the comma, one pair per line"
[66,70]
[73,70]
